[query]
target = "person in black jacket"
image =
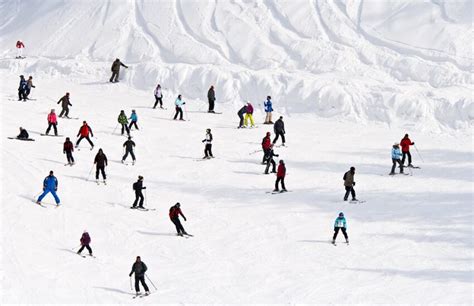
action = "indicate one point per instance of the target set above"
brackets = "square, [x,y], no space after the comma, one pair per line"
[269,160]
[279,129]
[116,70]
[129,145]
[22,89]
[211,97]
[23,134]
[65,103]
[241,113]
[138,186]
[139,268]
[101,162]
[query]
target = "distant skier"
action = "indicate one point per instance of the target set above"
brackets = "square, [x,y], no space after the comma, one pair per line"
[85,241]
[116,70]
[122,119]
[349,184]
[158,96]
[249,115]
[241,114]
[281,173]
[268,110]
[179,107]
[23,134]
[100,162]
[211,98]
[340,224]
[68,148]
[65,103]
[279,129]
[84,132]
[175,212]
[133,120]
[266,145]
[269,160]
[139,268]
[19,49]
[139,198]
[208,147]
[22,88]
[52,122]
[129,145]
[406,143]
[396,158]
[50,184]
[29,85]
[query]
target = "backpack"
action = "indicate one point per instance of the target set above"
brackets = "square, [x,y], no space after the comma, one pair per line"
[344,178]
[135,186]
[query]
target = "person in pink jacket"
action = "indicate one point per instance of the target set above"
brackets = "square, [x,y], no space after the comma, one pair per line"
[52,122]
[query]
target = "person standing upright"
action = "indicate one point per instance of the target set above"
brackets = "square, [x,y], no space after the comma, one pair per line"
[129,145]
[281,173]
[68,148]
[208,146]
[29,85]
[268,110]
[158,96]
[175,212]
[50,184]
[116,70]
[139,198]
[211,98]
[123,121]
[85,241]
[340,224]
[52,122]
[65,103]
[349,184]
[405,144]
[139,268]
[133,120]
[179,103]
[100,162]
[279,129]
[22,88]
[19,49]
[249,115]
[396,158]
[84,132]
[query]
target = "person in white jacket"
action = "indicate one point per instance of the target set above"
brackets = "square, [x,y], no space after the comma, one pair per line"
[208,147]
[158,96]
[179,108]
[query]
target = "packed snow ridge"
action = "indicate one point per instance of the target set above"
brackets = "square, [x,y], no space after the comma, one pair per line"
[387,61]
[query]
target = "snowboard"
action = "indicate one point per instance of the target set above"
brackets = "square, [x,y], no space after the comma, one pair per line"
[27,139]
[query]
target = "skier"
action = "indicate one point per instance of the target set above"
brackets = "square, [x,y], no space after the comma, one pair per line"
[139,268]
[208,147]
[396,155]
[50,184]
[68,148]
[281,173]
[52,122]
[241,114]
[85,241]
[29,85]
[340,224]
[23,134]
[269,160]
[279,129]
[122,119]
[19,49]
[133,120]
[175,212]
[129,145]
[349,184]
[266,145]
[249,115]
[405,144]
[84,132]
[22,89]
[211,97]
[116,70]
[65,103]
[268,110]
[139,198]
[158,96]
[100,162]
[179,108]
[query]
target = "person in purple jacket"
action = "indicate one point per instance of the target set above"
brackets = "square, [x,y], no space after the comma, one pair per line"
[85,241]
[249,115]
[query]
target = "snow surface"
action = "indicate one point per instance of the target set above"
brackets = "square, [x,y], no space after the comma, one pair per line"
[350,78]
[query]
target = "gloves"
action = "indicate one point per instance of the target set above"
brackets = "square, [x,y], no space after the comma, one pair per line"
[353,184]
[412,143]
[55,189]
[184,103]
[144,187]
[184,218]
[130,275]
[277,155]
[203,140]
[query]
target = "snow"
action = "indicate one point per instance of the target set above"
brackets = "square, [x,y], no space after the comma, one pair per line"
[350,78]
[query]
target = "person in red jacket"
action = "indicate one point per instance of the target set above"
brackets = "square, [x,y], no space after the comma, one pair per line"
[266,146]
[175,212]
[19,49]
[52,122]
[281,173]
[68,148]
[405,143]
[84,132]
[85,241]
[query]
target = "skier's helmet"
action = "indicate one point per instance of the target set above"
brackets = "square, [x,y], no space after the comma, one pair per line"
[341,214]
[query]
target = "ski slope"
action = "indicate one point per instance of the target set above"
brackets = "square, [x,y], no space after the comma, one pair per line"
[349,84]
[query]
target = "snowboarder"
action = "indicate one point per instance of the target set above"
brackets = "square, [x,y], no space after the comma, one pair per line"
[281,173]
[116,70]
[129,145]
[241,114]
[65,103]
[139,268]
[266,145]
[29,85]
[22,89]
[85,241]
[68,148]
[52,122]
[100,162]
[211,97]
[268,110]
[208,147]
[133,120]
[249,115]
[139,198]
[405,144]
[279,129]
[349,184]
[158,96]
[122,119]
[340,224]
[396,158]
[84,132]
[23,134]
[175,212]
[50,184]
[179,108]
[19,49]
[269,160]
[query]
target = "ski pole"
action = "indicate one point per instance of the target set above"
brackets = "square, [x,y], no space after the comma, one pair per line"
[90,172]
[146,199]
[186,114]
[418,153]
[75,247]
[115,129]
[151,281]
[131,288]
[254,152]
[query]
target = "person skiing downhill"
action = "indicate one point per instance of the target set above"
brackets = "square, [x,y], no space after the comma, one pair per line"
[22,89]
[269,160]
[84,132]
[175,212]
[122,119]
[133,120]
[211,97]
[349,184]
[139,198]
[129,145]
[208,147]
[85,241]
[100,162]
[340,224]
[405,144]
[281,173]
[158,96]
[19,49]
[65,103]
[139,268]
[268,110]
[29,85]
[396,158]
[116,70]
[266,145]
[241,114]
[179,108]
[279,129]
[52,122]
[50,184]
[23,134]
[249,115]
[68,148]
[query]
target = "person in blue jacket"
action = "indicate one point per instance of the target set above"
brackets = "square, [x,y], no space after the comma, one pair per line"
[268,110]
[133,120]
[179,108]
[340,224]
[396,158]
[50,184]
[22,89]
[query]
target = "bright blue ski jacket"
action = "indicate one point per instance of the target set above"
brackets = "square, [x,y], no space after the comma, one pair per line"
[268,106]
[50,182]
[134,117]
[340,222]
[396,153]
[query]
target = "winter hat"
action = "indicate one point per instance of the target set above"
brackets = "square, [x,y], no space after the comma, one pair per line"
[177,204]
[268,97]
[341,214]
[67,94]
[268,134]
[406,135]
[140,177]
[51,172]
[352,168]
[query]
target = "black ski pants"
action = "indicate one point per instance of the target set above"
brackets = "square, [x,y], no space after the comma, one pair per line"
[272,162]
[265,153]
[126,154]
[87,138]
[65,112]
[277,134]
[208,150]
[54,127]
[180,112]
[404,155]
[21,95]
[179,226]
[125,128]
[394,164]
[336,231]
[100,169]
[211,105]
[278,180]
[158,100]
[87,247]
[115,76]
[241,123]
[140,279]
[138,197]
[69,157]
[349,189]
[133,123]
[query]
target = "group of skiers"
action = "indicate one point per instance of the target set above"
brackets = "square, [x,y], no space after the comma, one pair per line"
[24,89]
